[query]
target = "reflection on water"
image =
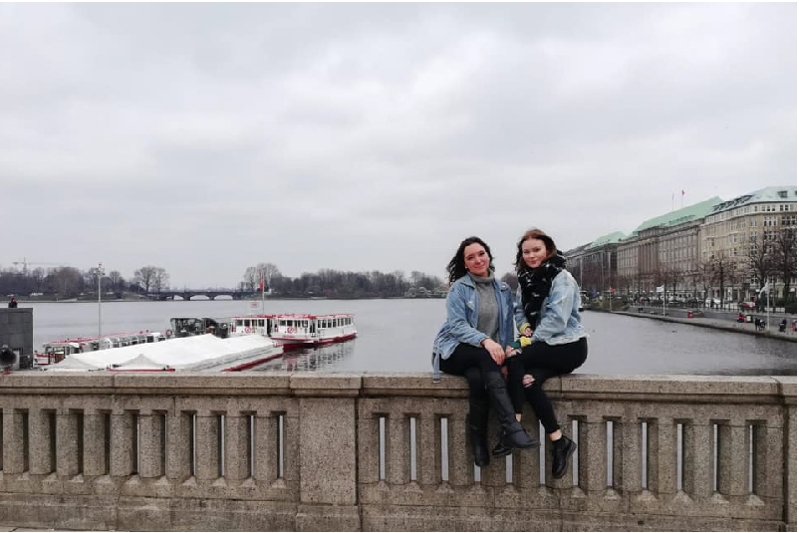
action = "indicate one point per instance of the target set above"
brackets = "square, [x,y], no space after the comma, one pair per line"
[311,359]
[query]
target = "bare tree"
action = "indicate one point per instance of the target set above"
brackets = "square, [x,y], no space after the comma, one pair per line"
[722,271]
[116,280]
[252,276]
[760,263]
[160,280]
[145,277]
[784,258]
[67,281]
[38,275]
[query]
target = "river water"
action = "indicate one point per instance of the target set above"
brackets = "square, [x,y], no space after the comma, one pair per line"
[396,336]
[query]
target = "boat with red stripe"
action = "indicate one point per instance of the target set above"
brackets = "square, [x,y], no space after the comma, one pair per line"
[295,330]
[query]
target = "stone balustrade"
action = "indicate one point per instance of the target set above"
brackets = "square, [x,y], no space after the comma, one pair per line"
[262,451]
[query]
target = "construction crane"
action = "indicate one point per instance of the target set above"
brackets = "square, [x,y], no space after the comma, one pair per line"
[25,263]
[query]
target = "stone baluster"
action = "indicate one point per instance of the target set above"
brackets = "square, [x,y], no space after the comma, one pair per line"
[664,478]
[629,435]
[42,451]
[179,442]
[207,454]
[429,448]
[734,460]
[14,452]
[398,448]
[698,459]
[237,447]
[123,460]
[68,443]
[594,466]
[152,437]
[461,469]
[291,443]
[95,447]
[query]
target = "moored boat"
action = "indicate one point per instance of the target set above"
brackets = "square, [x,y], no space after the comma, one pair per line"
[55,351]
[252,324]
[313,330]
[193,353]
[297,330]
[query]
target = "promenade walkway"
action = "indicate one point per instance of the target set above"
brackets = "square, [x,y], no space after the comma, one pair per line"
[726,324]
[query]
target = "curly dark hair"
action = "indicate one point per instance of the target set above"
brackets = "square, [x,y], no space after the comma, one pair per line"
[457,265]
[534,233]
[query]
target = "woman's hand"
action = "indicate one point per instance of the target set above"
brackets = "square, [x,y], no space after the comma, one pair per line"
[495,350]
[527,380]
[528,332]
[510,351]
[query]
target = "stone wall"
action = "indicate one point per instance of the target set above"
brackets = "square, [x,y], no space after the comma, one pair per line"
[262,452]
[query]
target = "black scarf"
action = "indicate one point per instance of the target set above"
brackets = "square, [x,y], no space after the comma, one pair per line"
[536,284]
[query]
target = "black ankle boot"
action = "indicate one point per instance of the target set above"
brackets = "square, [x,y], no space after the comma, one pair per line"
[479,446]
[513,434]
[562,450]
[501,449]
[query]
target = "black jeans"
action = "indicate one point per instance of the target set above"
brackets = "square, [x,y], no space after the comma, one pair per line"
[542,361]
[472,363]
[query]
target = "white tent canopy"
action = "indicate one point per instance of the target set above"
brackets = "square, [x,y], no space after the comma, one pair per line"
[202,352]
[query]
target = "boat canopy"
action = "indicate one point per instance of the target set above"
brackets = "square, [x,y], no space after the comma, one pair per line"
[201,352]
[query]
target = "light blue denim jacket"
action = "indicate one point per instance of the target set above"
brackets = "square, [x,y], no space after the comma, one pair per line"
[460,327]
[560,312]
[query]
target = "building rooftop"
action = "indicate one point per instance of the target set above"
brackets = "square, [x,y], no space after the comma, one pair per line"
[785,193]
[616,236]
[681,216]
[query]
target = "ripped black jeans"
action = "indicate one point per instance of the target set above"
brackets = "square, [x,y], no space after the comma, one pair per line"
[542,361]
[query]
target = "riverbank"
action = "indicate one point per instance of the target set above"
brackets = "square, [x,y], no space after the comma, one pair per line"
[714,323]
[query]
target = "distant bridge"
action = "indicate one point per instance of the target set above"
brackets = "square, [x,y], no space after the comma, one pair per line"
[212,294]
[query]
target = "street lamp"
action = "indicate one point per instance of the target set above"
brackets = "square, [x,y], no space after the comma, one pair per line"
[99,302]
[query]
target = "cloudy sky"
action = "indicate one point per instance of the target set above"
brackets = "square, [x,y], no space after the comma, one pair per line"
[206,138]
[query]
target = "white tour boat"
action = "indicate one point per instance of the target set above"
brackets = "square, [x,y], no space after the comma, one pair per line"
[300,330]
[296,330]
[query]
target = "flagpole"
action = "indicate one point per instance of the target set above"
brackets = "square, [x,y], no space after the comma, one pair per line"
[263,294]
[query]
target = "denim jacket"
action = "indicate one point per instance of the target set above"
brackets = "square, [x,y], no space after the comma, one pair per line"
[462,308]
[560,313]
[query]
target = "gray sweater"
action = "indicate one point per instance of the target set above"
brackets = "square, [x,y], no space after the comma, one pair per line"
[488,313]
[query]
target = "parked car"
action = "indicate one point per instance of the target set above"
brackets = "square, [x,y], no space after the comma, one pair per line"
[746,305]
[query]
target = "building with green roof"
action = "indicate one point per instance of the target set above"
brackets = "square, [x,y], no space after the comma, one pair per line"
[674,250]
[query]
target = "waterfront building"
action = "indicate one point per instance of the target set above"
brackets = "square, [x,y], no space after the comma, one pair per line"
[713,249]
[595,263]
[740,240]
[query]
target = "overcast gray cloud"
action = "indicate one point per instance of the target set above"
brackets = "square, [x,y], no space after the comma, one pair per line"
[205,138]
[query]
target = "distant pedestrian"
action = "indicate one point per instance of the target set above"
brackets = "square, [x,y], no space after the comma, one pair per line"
[12,304]
[783,325]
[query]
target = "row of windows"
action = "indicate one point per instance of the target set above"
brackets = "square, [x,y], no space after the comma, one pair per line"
[762,208]
[321,322]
